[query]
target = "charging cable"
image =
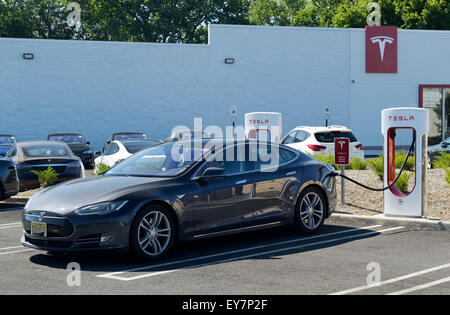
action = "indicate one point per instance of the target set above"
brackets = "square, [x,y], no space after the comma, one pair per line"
[334,174]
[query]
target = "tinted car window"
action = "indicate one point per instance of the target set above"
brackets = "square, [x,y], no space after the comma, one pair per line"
[124,136]
[328,137]
[133,147]
[6,140]
[290,138]
[238,164]
[161,160]
[71,139]
[12,151]
[45,150]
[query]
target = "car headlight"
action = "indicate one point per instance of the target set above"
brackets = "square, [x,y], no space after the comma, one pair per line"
[101,208]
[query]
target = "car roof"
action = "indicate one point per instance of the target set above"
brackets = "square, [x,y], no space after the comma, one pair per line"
[38,142]
[6,135]
[129,132]
[64,134]
[314,129]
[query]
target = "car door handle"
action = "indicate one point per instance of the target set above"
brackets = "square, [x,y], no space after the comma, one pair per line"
[291,173]
[241,182]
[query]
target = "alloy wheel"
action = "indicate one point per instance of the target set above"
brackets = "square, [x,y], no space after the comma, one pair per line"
[311,210]
[154,233]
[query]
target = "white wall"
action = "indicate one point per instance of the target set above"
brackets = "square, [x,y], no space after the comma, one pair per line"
[99,87]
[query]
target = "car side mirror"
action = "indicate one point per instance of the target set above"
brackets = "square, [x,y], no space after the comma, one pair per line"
[97,153]
[212,172]
[444,144]
[88,143]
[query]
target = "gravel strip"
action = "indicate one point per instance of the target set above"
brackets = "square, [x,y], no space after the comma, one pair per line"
[365,202]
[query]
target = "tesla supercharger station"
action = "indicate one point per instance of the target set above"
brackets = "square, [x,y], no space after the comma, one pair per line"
[413,203]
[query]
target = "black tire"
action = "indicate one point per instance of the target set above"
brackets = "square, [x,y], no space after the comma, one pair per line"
[2,196]
[308,220]
[142,227]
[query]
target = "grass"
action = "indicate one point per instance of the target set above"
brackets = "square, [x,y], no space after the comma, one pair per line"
[326,158]
[442,161]
[447,177]
[377,165]
[400,157]
[402,182]
[102,168]
[357,164]
[46,178]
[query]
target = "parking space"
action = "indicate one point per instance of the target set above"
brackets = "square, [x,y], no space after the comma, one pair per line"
[338,260]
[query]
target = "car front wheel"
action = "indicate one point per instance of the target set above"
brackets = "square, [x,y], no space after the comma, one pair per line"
[153,233]
[310,211]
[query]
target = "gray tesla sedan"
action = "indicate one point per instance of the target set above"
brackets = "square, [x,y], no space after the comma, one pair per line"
[179,191]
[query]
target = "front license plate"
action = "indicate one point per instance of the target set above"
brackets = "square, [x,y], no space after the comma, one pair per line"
[39,229]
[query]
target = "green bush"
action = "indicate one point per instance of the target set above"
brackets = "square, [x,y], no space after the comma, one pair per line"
[102,168]
[400,157]
[402,182]
[442,161]
[326,158]
[357,163]
[447,178]
[46,178]
[377,166]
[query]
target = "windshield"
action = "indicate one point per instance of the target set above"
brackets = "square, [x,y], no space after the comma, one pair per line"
[6,140]
[328,137]
[123,136]
[45,150]
[165,160]
[136,146]
[71,139]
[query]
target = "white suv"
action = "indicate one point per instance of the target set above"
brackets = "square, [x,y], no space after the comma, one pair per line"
[314,140]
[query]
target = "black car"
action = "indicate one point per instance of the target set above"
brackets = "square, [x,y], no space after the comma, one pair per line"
[79,146]
[9,183]
[6,141]
[179,191]
[40,155]
[434,151]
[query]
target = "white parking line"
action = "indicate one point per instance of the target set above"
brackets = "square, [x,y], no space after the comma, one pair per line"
[237,251]
[13,223]
[421,287]
[411,275]
[16,251]
[12,247]
[115,276]
[10,226]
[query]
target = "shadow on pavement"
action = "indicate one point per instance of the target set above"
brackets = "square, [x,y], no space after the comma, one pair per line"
[111,261]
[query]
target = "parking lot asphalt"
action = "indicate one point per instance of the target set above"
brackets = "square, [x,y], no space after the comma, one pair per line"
[338,260]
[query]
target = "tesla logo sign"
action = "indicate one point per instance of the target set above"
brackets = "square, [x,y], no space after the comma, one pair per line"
[381,49]
[341,151]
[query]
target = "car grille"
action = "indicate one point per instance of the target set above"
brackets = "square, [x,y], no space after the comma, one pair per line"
[57,225]
[48,243]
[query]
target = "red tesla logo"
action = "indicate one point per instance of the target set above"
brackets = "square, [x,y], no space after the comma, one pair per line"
[401,118]
[381,49]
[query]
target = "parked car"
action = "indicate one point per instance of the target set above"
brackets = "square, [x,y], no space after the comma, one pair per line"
[38,156]
[117,151]
[9,183]
[154,199]
[6,141]
[132,135]
[313,140]
[435,151]
[189,134]
[79,146]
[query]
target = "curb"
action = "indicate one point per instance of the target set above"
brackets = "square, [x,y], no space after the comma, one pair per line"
[421,223]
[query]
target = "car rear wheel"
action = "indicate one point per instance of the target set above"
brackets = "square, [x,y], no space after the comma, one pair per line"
[153,233]
[310,211]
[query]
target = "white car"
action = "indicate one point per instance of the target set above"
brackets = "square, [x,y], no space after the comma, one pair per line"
[317,140]
[115,152]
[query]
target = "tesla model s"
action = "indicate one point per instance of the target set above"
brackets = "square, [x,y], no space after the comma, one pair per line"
[179,191]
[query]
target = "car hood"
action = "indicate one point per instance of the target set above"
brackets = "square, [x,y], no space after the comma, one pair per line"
[69,196]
